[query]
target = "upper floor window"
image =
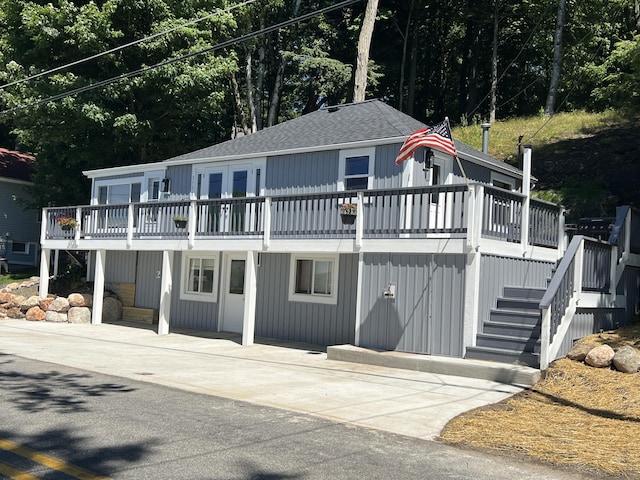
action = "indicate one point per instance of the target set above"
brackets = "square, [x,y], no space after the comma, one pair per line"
[356,169]
[502,181]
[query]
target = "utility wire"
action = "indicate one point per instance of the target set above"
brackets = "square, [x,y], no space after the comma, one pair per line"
[121,47]
[219,46]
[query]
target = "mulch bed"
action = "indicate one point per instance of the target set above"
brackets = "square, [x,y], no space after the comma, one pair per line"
[576,416]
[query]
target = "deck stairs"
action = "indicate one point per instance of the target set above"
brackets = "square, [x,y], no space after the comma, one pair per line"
[512,332]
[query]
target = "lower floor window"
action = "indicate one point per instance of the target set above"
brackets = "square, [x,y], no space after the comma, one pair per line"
[313,279]
[200,277]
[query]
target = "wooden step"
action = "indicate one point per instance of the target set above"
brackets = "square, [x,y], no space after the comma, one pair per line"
[141,315]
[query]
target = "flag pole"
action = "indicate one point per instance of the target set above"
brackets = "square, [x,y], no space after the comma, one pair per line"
[466,180]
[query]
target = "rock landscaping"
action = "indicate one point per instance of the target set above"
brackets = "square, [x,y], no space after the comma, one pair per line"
[625,359]
[75,308]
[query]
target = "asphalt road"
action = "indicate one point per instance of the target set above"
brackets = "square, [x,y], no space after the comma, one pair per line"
[59,423]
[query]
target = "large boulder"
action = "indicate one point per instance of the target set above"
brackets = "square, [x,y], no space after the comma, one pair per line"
[15,301]
[600,356]
[111,309]
[15,312]
[60,305]
[45,302]
[79,315]
[80,300]
[579,351]
[627,360]
[35,314]
[33,301]
[5,297]
[56,317]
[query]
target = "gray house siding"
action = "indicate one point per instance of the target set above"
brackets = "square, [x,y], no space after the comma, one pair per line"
[510,272]
[189,313]
[18,225]
[427,314]
[120,267]
[180,176]
[302,173]
[386,173]
[277,317]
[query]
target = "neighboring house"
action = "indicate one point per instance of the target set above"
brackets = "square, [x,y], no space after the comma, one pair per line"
[439,260]
[19,227]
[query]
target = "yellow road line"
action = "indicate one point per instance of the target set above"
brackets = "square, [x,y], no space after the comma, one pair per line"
[47,461]
[14,473]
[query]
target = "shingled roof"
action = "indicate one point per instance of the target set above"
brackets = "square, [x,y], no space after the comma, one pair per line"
[16,165]
[371,120]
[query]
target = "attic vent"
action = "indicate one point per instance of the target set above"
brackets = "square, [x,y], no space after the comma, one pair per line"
[332,109]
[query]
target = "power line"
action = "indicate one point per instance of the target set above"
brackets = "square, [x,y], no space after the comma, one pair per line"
[219,46]
[121,47]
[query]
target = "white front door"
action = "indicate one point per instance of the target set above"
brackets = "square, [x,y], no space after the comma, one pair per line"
[233,302]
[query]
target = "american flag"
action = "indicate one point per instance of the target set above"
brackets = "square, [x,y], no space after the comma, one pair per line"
[437,136]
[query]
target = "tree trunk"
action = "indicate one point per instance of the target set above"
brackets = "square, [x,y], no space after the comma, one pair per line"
[274,102]
[405,41]
[250,102]
[364,45]
[557,62]
[260,77]
[238,107]
[494,64]
[413,69]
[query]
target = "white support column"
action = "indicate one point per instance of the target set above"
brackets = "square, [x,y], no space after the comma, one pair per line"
[526,203]
[166,285]
[250,290]
[98,287]
[45,259]
[56,262]
[471,300]
[359,319]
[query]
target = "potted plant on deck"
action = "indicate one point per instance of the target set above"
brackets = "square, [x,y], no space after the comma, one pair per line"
[67,222]
[348,213]
[180,221]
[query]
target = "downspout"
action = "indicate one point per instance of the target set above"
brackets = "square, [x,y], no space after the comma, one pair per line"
[485,137]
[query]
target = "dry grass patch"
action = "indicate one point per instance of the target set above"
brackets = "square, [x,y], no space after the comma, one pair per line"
[576,416]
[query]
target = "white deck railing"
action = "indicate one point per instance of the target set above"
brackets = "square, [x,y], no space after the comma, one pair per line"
[419,212]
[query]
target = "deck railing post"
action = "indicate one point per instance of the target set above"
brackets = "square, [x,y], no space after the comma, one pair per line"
[76,236]
[545,338]
[474,216]
[526,201]
[360,221]
[266,215]
[130,213]
[193,218]
[577,275]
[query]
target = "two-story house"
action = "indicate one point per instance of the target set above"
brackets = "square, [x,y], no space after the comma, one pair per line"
[247,236]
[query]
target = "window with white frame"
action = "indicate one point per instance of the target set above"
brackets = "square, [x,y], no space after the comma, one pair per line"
[356,169]
[199,277]
[314,278]
[502,181]
[20,248]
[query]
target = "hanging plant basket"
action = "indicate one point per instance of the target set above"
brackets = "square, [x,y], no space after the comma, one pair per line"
[348,213]
[348,218]
[66,227]
[180,223]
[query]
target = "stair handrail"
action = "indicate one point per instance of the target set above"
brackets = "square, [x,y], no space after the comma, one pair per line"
[558,302]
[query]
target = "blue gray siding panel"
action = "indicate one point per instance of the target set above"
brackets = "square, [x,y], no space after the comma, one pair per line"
[302,173]
[386,173]
[188,313]
[427,315]
[499,272]
[277,317]
[180,176]
[148,281]
[120,267]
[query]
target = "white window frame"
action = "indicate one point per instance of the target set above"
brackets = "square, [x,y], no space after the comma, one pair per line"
[27,248]
[184,276]
[117,181]
[499,177]
[356,152]
[331,299]
[154,176]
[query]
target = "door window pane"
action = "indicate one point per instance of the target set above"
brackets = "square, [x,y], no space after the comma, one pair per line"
[215,185]
[239,183]
[236,277]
